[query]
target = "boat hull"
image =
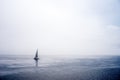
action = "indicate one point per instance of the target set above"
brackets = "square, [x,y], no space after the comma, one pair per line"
[36,58]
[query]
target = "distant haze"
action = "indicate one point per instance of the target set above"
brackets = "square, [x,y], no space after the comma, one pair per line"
[69,27]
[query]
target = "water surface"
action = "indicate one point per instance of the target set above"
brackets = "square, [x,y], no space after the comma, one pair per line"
[21,67]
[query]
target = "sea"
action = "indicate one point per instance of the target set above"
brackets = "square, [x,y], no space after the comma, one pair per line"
[24,67]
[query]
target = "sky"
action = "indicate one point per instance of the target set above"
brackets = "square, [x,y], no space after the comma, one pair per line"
[60,27]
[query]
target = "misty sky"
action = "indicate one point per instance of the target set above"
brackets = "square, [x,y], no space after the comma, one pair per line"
[79,27]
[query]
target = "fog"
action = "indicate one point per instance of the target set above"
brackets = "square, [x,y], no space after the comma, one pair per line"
[60,27]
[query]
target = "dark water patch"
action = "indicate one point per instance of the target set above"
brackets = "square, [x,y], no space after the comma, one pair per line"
[52,74]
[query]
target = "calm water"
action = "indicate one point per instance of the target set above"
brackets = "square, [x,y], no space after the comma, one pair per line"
[60,68]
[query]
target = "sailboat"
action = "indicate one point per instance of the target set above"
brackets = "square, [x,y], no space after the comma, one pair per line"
[36,55]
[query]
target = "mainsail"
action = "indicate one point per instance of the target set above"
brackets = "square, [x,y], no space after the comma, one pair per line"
[36,55]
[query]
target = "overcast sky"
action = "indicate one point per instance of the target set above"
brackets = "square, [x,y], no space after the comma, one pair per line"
[79,27]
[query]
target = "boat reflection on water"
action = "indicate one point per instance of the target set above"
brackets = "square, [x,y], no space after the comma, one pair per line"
[36,63]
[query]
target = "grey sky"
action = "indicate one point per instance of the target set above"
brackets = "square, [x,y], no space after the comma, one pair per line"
[79,27]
